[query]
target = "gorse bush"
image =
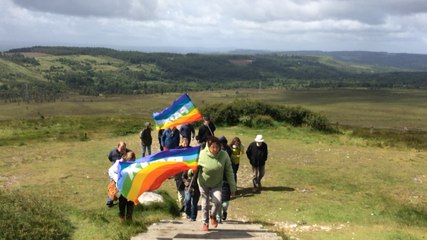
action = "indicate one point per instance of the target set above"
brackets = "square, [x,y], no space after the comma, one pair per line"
[257,114]
[25,216]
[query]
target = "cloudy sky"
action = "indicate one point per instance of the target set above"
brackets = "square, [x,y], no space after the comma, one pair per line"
[203,25]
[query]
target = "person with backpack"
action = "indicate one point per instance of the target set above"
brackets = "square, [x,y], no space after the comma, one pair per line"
[114,155]
[125,206]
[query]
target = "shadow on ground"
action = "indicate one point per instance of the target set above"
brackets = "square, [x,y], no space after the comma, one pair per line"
[249,192]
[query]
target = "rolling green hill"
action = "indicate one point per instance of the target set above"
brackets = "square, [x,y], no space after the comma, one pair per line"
[49,73]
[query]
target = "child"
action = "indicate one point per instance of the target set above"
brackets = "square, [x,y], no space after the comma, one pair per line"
[237,150]
[180,187]
[125,206]
[192,194]
[225,199]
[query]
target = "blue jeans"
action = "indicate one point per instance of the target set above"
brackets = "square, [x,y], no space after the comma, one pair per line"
[191,204]
[146,147]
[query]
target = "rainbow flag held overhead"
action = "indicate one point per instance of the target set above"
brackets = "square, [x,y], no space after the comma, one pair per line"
[181,111]
[148,173]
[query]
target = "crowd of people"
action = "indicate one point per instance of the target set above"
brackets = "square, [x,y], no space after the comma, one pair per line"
[214,181]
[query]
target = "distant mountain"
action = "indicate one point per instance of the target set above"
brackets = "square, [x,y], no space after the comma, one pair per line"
[47,73]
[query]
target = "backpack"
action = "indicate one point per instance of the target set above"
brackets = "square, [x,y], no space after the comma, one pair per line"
[113,191]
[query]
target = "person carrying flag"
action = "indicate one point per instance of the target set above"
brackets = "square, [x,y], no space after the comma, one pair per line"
[206,130]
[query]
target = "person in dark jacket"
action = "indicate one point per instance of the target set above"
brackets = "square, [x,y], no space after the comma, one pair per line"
[170,138]
[257,154]
[224,146]
[207,129]
[159,137]
[187,131]
[146,139]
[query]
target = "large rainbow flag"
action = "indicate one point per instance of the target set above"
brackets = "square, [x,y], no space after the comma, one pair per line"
[148,173]
[181,111]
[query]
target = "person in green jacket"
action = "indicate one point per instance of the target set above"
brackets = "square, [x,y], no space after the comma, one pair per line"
[214,165]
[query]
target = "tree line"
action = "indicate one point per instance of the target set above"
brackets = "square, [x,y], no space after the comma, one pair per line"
[146,73]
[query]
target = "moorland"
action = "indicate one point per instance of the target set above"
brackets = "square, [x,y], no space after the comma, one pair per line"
[364,180]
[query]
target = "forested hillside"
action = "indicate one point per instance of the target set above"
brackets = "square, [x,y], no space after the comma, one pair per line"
[49,73]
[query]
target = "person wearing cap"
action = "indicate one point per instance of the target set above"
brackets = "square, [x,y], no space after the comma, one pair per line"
[257,154]
[205,130]
[146,139]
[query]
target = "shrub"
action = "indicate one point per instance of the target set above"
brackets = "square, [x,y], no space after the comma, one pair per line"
[262,121]
[246,121]
[257,114]
[25,216]
[319,122]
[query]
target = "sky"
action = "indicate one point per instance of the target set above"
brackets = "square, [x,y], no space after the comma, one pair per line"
[396,26]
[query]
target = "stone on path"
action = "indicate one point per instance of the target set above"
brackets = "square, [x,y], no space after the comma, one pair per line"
[148,198]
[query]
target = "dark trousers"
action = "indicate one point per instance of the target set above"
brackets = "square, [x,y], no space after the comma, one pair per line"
[191,201]
[125,208]
[235,169]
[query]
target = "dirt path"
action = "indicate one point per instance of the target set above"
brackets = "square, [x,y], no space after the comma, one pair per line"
[184,229]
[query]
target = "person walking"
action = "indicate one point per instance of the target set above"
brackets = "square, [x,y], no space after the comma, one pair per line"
[205,130]
[237,149]
[170,138]
[114,155]
[125,206]
[159,137]
[257,154]
[187,131]
[192,194]
[213,165]
[179,181]
[146,139]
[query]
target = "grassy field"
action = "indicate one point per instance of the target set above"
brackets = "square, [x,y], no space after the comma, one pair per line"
[317,186]
[355,107]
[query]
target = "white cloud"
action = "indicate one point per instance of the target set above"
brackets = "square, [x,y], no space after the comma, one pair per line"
[383,25]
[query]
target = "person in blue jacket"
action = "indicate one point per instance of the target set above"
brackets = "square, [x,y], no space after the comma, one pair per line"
[170,138]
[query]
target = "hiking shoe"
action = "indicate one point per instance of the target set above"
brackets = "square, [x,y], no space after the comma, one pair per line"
[205,227]
[214,222]
[110,204]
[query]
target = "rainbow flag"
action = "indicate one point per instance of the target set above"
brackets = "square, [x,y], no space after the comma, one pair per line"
[181,111]
[148,173]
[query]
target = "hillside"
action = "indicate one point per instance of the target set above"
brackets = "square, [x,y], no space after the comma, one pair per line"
[385,60]
[49,73]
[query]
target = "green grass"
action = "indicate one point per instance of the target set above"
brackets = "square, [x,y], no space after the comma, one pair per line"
[10,70]
[395,109]
[317,186]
